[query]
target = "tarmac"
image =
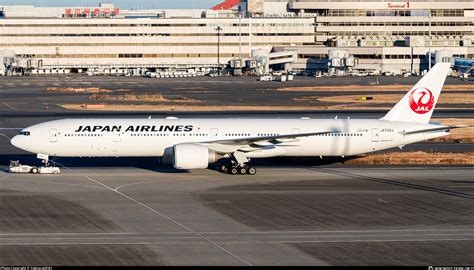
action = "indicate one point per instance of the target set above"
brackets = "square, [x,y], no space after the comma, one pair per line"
[312,215]
[124,211]
[28,95]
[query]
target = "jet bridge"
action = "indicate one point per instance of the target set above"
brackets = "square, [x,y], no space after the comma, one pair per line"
[267,59]
[284,57]
[11,64]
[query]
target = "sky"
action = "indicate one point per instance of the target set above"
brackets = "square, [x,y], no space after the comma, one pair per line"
[124,4]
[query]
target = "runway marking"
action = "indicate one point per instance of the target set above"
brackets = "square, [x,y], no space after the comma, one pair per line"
[46,234]
[415,231]
[227,242]
[139,236]
[5,136]
[9,106]
[472,186]
[126,185]
[162,215]
[340,231]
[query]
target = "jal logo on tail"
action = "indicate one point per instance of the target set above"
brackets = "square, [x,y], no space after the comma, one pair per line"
[421,100]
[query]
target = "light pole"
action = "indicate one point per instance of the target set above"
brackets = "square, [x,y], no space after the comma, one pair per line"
[218,29]
[250,36]
[429,41]
[240,36]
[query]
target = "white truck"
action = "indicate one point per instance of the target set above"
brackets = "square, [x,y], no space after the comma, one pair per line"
[16,167]
[267,78]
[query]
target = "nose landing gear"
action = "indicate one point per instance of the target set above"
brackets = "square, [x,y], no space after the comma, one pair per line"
[44,159]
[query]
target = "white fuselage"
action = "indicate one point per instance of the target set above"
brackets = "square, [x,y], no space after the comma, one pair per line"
[151,137]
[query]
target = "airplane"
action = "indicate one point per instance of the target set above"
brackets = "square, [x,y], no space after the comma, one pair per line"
[195,143]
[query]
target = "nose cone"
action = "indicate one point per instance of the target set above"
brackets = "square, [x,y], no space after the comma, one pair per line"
[14,141]
[20,142]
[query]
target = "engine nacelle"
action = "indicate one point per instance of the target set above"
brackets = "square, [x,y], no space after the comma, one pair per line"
[188,156]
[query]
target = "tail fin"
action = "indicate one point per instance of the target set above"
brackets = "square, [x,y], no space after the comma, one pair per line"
[418,104]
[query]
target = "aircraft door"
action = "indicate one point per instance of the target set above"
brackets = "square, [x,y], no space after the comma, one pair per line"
[53,135]
[214,132]
[375,135]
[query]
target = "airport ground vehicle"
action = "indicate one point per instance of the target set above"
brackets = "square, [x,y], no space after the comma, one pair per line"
[266,78]
[16,167]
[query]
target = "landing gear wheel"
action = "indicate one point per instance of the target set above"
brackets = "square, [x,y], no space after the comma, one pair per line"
[223,168]
[34,170]
[233,170]
[251,170]
[242,170]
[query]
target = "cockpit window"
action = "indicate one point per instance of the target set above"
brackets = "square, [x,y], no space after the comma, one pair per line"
[25,133]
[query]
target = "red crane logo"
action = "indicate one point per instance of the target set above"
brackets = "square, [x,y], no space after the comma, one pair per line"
[421,100]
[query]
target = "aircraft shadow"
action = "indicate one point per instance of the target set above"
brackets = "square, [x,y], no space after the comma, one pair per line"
[153,164]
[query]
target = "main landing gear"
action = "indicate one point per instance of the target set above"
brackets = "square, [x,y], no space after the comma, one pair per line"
[239,164]
[234,169]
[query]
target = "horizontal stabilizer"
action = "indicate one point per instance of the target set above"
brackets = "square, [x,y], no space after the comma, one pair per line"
[445,128]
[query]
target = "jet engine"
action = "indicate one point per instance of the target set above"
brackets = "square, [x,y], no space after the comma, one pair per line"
[192,156]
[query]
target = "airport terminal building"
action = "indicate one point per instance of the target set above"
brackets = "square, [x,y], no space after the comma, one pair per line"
[385,35]
[362,35]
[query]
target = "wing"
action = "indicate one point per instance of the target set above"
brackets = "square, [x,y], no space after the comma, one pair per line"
[441,128]
[248,143]
[272,139]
